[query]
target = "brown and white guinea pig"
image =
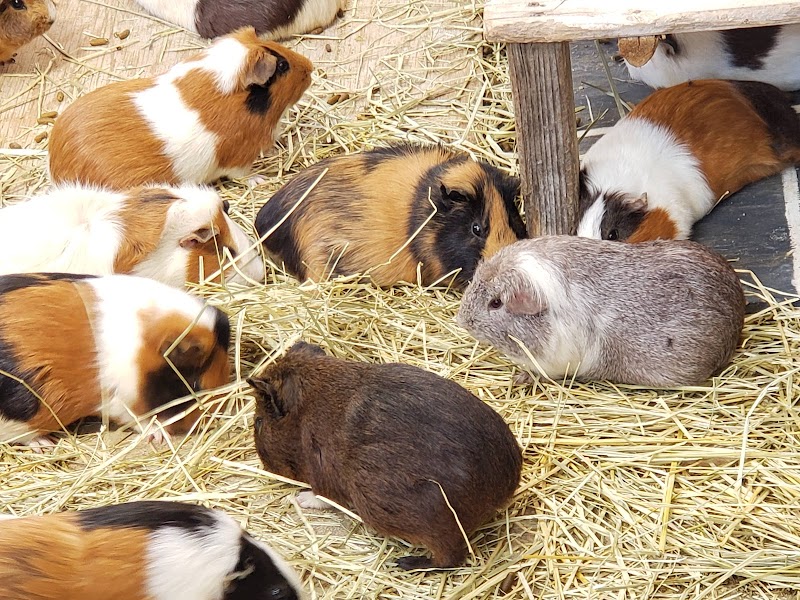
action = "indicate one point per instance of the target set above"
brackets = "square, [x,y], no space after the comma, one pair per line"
[679,152]
[172,235]
[272,19]
[661,313]
[767,54]
[145,550]
[206,117]
[382,439]
[360,216]
[72,346]
[20,22]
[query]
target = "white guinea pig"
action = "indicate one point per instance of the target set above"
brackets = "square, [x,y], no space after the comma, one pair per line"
[207,117]
[145,550]
[767,54]
[272,19]
[173,235]
[75,346]
[662,314]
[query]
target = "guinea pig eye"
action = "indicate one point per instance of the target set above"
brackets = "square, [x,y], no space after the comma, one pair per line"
[495,303]
[283,66]
[18,4]
[477,230]
[613,235]
[259,422]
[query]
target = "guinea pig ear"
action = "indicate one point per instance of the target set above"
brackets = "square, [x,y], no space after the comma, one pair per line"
[310,349]
[186,354]
[269,396]
[637,204]
[259,68]
[523,301]
[198,238]
[452,196]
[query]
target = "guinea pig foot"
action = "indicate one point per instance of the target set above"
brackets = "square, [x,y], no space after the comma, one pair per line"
[523,378]
[308,499]
[256,180]
[40,443]
[410,563]
[9,61]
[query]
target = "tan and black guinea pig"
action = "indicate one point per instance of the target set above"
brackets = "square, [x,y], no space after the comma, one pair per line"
[209,116]
[172,235]
[73,346]
[139,551]
[20,22]
[389,441]
[360,216]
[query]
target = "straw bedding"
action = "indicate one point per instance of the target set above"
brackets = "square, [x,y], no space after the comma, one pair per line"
[625,493]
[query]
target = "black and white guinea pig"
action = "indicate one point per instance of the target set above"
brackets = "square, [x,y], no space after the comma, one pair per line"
[679,152]
[401,446]
[361,215]
[272,19]
[172,235]
[145,550]
[74,346]
[20,22]
[207,117]
[767,54]
[662,313]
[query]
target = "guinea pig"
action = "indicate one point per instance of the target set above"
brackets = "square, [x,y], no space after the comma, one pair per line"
[362,214]
[74,346]
[272,19]
[172,235]
[206,117]
[660,314]
[678,153]
[767,54]
[145,550]
[20,22]
[390,441]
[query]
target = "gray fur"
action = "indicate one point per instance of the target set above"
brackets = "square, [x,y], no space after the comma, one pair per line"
[661,314]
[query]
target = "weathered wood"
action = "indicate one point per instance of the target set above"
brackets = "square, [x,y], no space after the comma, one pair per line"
[569,20]
[541,83]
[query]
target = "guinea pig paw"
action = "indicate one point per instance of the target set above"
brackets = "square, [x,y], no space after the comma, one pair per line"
[308,499]
[157,437]
[10,61]
[40,443]
[409,563]
[256,180]
[523,378]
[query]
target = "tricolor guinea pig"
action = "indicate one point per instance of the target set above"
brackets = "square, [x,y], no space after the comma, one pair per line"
[661,313]
[74,346]
[680,151]
[361,215]
[20,22]
[272,19]
[172,235]
[389,441]
[767,54]
[206,117]
[144,550]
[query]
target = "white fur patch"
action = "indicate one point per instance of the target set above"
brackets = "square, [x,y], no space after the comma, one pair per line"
[312,15]
[250,263]
[225,59]
[118,332]
[16,431]
[592,220]
[68,230]
[702,55]
[636,157]
[180,12]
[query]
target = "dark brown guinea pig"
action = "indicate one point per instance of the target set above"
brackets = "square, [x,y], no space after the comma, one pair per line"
[382,439]
[360,216]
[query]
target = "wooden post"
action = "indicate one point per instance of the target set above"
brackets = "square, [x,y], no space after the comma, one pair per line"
[547,144]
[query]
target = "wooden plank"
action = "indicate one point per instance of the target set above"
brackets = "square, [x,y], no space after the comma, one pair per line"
[541,84]
[567,20]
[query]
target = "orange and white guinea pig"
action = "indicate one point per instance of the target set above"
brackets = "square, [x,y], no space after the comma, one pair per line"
[144,550]
[172,235]
[205,118]
[74,346]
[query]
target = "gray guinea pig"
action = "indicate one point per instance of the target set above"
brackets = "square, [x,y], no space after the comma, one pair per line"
[382,439]
[272,19]
[661,313]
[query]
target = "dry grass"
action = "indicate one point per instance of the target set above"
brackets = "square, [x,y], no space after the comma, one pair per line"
[626,492]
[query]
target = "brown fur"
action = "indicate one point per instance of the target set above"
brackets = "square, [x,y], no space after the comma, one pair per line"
[727,136]
[52,558]
[67,381]
[17,28]
[197,347]
[379,438]
[102,139]
[143,221]
[656,225]
[210,254]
